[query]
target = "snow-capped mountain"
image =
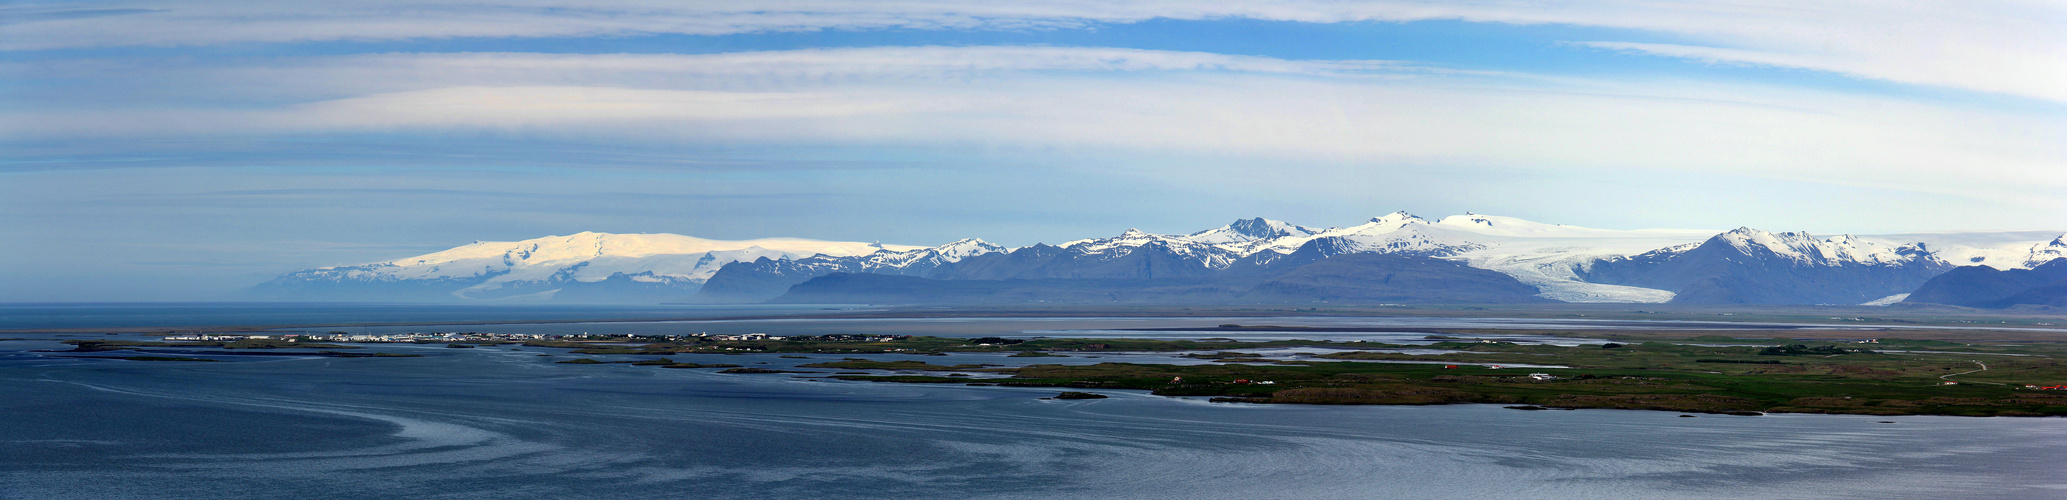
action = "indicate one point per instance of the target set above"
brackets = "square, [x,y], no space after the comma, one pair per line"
[545,266]
[1203,251]
[1566,263]
[2045,253]
[1248,231]
[1747,265]
[764,278]
[2000,250]
[1542,255]
[1805,249]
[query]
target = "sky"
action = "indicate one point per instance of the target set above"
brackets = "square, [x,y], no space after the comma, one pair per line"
[154,150]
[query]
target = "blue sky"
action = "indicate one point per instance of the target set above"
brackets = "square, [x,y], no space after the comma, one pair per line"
[180,150]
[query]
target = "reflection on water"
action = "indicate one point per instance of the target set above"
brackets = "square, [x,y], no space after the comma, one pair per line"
[497,422]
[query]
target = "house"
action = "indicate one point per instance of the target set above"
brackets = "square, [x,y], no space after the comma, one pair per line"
[1542,376]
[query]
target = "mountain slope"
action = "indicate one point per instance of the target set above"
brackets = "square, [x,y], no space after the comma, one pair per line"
[1988,287]
[1376,278]
[1362,278]
[1749,266]
[764,278]
[663,266]
[1566,263]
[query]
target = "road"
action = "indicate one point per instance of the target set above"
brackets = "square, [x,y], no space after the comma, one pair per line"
[1984,367]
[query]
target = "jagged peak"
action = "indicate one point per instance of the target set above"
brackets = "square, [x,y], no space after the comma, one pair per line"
[1746,235]
[1399,217]
[1841,249]
[1131,238]
[1256,228]
[964,248]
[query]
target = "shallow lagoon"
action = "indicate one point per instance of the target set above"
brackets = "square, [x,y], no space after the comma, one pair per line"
[495,422]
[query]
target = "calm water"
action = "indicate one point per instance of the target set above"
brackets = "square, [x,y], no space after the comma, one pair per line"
[495,422]
[118,315]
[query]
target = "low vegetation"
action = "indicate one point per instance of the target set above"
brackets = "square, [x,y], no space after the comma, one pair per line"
[1920,377]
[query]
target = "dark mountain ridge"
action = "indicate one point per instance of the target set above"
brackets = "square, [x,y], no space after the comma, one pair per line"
[1348,279]
[1991,288]
[1730,269]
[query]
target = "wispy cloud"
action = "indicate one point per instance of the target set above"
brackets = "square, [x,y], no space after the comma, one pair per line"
[1049,98]
[2010,47]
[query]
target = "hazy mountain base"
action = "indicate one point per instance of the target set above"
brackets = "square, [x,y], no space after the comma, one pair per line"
[1356,278]
[616,289]
[305,287]
[765,279]
[1987,287]
[1166,266]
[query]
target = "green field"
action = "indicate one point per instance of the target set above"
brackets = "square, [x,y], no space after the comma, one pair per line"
[1882,377]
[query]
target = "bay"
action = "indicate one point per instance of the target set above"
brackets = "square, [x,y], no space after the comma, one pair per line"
[498,422]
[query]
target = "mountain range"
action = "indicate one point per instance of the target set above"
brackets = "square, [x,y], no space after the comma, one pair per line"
[1395,258]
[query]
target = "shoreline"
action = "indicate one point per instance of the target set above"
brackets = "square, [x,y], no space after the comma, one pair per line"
[1624,320]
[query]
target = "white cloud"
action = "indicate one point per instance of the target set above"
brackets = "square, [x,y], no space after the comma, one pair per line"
[2011,47]
[1166,103]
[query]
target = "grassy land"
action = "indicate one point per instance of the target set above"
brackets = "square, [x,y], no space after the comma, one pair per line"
[863,364]
[1793,377]
[1735,374]
[917,345]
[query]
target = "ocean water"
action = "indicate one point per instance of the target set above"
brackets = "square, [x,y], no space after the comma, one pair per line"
[494,422]
[491,422]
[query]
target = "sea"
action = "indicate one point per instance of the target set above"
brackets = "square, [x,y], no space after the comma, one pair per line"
[511,422]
